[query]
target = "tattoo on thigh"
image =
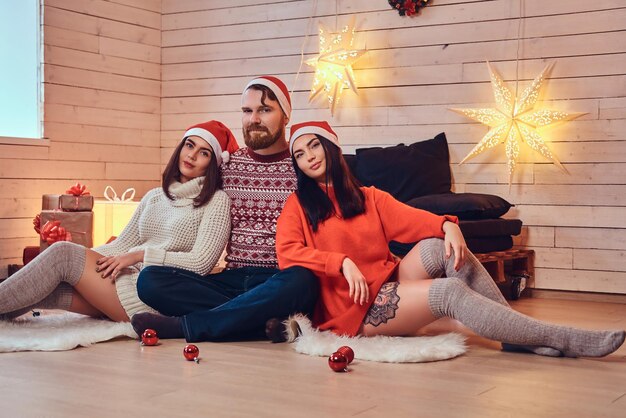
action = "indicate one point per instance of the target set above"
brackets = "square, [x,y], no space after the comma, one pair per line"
[385,306]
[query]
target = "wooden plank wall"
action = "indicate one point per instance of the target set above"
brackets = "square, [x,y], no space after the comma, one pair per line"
[418,67]
[123,78]
[102,88]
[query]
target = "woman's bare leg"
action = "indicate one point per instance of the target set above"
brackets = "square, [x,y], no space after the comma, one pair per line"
[65,298]
[404,317]
[411,266]
[81,306]
[410,315]
[100,292]
[444,325]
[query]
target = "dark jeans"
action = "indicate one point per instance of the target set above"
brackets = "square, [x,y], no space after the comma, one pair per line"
[230,305]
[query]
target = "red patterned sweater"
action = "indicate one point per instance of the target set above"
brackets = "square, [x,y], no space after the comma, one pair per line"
[258,186]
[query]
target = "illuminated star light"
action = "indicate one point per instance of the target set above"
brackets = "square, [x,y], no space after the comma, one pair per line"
[333,65]
[515,119]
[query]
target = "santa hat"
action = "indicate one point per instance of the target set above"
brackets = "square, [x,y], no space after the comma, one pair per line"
[218,136]
[321,128]
[278,88]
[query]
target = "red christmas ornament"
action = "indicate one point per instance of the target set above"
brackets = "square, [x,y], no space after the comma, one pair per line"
[338,362]
[149,337]
[347,352]
[191,353]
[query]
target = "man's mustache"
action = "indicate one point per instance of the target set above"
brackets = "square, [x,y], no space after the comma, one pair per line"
[257,128]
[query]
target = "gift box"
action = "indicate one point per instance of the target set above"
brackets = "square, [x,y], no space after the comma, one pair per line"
[29,253]
[75,199]
[110,218]
[67,202]
[12,269]
[71,203]
[50,201]
[78,224]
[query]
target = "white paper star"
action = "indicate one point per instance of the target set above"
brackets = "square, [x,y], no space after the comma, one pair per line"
[333,65]
[515,119]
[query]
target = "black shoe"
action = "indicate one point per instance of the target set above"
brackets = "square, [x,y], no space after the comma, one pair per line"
[165,326]
[275,330]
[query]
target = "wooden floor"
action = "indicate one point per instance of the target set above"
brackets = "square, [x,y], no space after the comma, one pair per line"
[121,378]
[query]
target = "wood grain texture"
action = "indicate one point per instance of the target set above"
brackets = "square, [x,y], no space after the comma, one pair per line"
[257,378]
[124,78]
[418,68]
[101,74]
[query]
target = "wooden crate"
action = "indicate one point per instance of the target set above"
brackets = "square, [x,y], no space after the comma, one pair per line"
[501,263]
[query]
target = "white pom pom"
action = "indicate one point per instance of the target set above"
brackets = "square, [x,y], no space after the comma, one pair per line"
[225,156]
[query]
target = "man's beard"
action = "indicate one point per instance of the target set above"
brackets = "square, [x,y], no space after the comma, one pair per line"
[261,137]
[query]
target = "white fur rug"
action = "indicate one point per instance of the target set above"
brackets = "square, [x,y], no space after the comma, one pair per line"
[384,349]
[57,332]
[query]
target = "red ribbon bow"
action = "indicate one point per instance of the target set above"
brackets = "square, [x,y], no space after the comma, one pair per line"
[37,224]
[52,232]
[78,190]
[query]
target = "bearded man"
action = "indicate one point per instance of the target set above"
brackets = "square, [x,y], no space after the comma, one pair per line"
[251,296]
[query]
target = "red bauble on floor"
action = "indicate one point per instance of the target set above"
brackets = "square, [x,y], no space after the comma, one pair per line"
[347,352]
[192,353]
[338,362]
[149,337]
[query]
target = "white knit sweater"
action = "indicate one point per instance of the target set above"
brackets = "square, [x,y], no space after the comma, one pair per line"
[171,233]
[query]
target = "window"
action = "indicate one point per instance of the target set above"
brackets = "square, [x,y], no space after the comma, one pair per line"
[19,69]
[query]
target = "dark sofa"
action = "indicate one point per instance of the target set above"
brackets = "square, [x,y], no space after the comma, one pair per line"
[419,175]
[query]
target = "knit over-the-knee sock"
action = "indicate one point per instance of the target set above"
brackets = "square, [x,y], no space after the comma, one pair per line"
[451,297]
[60,298]
[62,262]
[473,274]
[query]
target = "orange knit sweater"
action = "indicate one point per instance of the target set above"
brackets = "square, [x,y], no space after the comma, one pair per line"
[364,239]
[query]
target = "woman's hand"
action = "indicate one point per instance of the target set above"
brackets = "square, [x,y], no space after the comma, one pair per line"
[113,265]
[454,241]
[358,286]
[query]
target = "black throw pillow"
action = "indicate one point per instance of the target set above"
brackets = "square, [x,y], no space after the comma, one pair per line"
[475,245]
[351,161]
[407,171]
[463,205]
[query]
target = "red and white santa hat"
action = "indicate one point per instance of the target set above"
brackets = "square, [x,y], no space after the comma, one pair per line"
[218,136]
[321,128]
[278,88]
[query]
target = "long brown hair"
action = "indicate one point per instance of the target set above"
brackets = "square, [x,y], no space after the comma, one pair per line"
[315,202]
[212,177]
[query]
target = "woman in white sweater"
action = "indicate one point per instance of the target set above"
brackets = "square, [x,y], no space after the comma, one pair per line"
[185,224]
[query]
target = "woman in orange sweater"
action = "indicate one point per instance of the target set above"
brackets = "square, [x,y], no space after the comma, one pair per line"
[341,232]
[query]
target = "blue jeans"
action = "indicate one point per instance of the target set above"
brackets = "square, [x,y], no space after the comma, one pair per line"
[231,305]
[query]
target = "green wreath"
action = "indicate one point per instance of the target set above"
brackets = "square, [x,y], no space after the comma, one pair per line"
[408,7]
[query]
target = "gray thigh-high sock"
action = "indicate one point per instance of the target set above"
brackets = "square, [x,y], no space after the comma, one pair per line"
[62,262]
[453,298]
[60,298]
[472,273]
